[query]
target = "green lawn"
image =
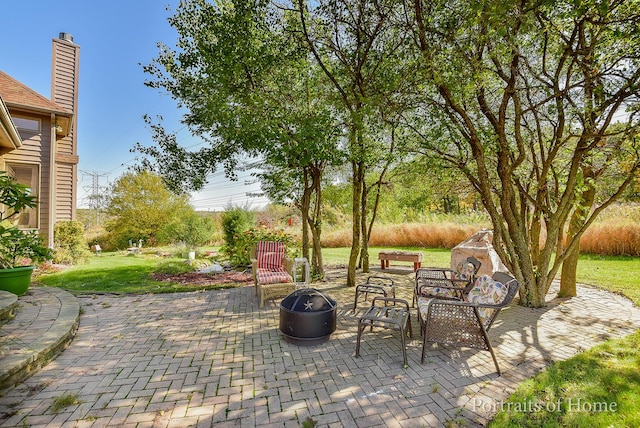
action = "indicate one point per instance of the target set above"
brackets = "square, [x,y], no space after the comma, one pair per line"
[120,273]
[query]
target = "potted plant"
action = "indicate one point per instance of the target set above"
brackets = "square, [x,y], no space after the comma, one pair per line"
[20,249]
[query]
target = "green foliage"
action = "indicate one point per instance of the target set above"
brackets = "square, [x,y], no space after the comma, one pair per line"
[235,221]
[174,267]
[192,230]
[71,247]
[140,207]
[21,248]
[245,241]
[18,247]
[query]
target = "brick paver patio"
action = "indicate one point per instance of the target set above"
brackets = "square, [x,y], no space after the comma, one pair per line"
[215,359]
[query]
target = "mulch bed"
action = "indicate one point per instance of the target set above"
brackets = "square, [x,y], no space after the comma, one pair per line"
[206,279]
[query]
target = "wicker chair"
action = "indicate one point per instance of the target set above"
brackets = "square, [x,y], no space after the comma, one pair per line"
[271,270]
[447,283]
[465,322]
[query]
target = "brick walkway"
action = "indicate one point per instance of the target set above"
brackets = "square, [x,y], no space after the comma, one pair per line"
[215,359]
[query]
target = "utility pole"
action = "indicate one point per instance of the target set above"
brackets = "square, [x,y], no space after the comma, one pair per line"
[96,197]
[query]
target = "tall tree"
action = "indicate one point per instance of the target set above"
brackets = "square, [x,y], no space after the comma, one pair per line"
[244,79]
[359,50]
[140,206]
[524,95]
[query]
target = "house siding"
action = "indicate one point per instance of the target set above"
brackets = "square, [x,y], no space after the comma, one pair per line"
[64,91]
[36,149]
[65,203]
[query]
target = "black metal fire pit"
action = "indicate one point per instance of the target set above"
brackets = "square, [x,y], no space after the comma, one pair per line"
[307,316]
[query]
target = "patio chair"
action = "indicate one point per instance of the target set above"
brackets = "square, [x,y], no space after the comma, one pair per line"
[375,285]
[465,322]
[271,270]
[447,283]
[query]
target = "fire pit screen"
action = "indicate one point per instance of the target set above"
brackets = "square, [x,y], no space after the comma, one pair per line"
[307,316]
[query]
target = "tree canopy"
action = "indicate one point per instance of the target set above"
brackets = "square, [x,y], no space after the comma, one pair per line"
[534,102]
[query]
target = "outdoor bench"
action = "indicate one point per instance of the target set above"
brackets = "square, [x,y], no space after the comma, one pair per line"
[402,256]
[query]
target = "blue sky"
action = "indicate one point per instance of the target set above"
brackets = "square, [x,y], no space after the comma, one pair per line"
[115,38]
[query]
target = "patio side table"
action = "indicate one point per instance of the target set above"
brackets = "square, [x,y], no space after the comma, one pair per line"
[395,317]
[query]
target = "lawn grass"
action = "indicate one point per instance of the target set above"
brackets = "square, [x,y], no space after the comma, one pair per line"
[597,388]
[619,274]
[121,273]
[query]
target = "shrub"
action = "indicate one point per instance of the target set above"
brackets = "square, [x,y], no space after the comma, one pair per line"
[249,238]
[71,246]
[235,221]
[192,230]
[174,268]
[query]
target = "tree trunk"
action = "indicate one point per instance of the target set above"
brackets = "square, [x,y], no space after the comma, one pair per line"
[315,223]
[305,204]
[570,264]
[364,245]
[358,178]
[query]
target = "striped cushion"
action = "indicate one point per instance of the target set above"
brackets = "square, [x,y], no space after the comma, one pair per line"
[270,255]
[272,276]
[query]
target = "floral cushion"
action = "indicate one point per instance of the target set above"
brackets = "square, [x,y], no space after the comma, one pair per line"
[423,307]
[434,291]
[465,270]
[272,276]
[486,290]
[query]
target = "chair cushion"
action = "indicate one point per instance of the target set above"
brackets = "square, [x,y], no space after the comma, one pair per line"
[465,270]
[438,292]
[486,290]
[423,307]
[272,276]
[270,255]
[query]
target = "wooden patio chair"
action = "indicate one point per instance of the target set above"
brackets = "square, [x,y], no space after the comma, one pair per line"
[271,270]
[447,283]
[465,322]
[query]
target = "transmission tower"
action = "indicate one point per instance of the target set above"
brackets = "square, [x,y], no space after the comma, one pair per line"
[96,197]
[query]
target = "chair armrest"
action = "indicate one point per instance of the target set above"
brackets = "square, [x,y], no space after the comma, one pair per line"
[254,270]
[389,300]
[287,263]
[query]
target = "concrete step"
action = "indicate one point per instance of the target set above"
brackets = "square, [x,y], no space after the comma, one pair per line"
[8,305]
[44,323]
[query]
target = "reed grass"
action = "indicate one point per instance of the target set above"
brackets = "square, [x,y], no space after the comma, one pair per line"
[431,235]
[612,239]
[608,238]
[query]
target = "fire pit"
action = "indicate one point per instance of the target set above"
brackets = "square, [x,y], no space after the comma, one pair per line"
[307,316]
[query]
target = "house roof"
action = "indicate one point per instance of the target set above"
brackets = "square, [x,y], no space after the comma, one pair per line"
[18,95]
[9,136]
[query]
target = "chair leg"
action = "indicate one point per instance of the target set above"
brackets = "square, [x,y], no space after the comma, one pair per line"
[490,349]
[403,340]
[361,327]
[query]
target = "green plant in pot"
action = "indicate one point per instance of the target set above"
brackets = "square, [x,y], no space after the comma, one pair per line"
[20,249]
